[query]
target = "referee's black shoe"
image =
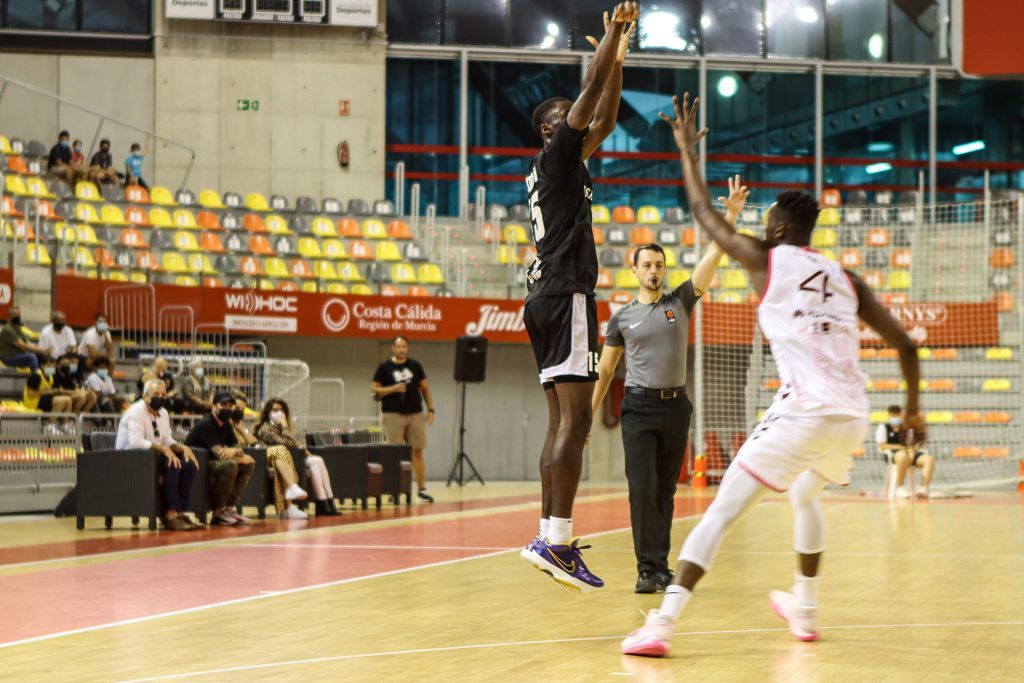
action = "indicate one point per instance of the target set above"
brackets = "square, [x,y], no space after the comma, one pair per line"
[662,580]
[645,583]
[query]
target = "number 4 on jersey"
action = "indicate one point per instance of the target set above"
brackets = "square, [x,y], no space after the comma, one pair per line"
[825,294]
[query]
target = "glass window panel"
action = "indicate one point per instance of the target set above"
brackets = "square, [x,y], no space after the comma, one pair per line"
[756,117]
[539,23]
[795,28]
[858,30]
[732,27]
[588,20]
[670,26]
[414,21]
[475,22]
[916,28]
[116,16]
[53,15]
[876,133]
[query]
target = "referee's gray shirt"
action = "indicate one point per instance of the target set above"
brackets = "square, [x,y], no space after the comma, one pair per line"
[656,337]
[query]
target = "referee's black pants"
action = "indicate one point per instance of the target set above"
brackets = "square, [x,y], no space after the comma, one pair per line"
[654,434]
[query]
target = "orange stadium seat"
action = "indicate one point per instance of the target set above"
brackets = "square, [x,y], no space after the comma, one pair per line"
[300,268]
[967,417]
[361,251]
[250,265]
[878,237]
[1001,258]
[137,216]
[528,254]
[287,286]
[598,236]
[689,237]
[945,354]
[641,235]
[1005,302]
[390,290]
[349,229]
[210,281]
[830,197]
[967,452]
[850,258]
[399,230]
[888,353]
[873,278]
[490,234]
[623,214]
[253,222]
[104,258]
[941,385]
[901,258]
[133,239]
[136,194]
[605,279]
[210,242]
[417,291]
[621,298]
[868,353]
[997,418]
[144,260]
[260,245]
[995,452]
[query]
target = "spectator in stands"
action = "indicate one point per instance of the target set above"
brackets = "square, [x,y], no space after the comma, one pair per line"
[133,165]
[39,394]
[101,384]
[230,467]
[60,154]
[97,343]
[16,350]
[159,370]
[401,385]
[275,429]
[901,450]
[77,157]
[145,425]
[103,159]
[57,339]
[66,379]
[280,466]
[196,389]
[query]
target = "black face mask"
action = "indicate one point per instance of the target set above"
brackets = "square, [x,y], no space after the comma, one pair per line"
[58,326]
[157,402]
[224,414]
[237,414]
[16,320]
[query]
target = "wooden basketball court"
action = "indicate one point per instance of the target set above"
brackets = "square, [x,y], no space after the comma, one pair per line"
[912,590]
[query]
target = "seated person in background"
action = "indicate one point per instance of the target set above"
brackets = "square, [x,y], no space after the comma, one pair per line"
[66,379]
[16,351]
[133,165]
[230,467]
[77,156]
[145,426]
[892,441]
[196,389]
[57,339]
[275,429]
[159,370]
[281,467]
[100,383]
[97,343]
[60,154]
[39,394]
[101,166]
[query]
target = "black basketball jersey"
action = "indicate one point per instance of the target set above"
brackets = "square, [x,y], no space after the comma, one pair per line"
[561,194]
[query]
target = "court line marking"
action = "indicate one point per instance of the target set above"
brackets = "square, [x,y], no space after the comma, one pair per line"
[343,546]
[552,641]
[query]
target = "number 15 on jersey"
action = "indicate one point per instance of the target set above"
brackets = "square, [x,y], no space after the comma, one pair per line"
[536,217]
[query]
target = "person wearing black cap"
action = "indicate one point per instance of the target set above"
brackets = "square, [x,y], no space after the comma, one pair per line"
[230,466]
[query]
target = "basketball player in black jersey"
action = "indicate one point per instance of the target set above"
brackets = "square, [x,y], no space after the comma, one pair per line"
[560,312]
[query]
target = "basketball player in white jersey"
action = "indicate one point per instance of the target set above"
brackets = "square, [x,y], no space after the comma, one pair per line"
[808,312]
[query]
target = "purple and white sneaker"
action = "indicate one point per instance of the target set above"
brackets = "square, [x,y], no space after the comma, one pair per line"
[563,563]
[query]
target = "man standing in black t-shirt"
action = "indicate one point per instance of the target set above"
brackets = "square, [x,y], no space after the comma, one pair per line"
[561,312]
[401,386]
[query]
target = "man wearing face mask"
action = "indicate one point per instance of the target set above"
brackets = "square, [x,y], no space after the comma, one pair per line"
[196,389]
[16,350]
[133,165]
[97,342]
[101,384]
[39,394]
[60,154]
[146,426]
[102,159]
[892,440]
[57,339]
[230,467]
[66,379]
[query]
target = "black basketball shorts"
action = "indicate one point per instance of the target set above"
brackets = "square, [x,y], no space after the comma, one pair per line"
[563,332]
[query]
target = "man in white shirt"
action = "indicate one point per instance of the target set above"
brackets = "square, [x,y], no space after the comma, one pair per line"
[146,426]
[100,383]
[57,339]
[97,342]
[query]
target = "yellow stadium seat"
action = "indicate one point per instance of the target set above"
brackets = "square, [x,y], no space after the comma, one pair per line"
[13,184]
[677,277]
[324,227]
[996,384]
[276,267]
[337,288]
[879,416]
[348,272]
[200,264]
[117,276]
[734,279]
[430,274]
[403,274]
[174,263]
[648,215]
[277,225]
[86,191]
[210,199]
[185,241]
[310,286]
[111,214]
[324,270]
[829,254]
[998,353]
[37,188]
[185,219]
[309,248]
[254,201]
[724,261]
[599,213]
[764,215]
[388,251]
[507,255]
[671,261]
[266,285]
[939,417]
[86,235]
[86,212]
[335,249]
[5,147]
[83,257]
[728,298]
[374,229]
[160,218]
[823,238]
[898,280]
[624,279]
[186,281]
[514,234]
[828,217]
[161,196]
[362,290]
[138,278]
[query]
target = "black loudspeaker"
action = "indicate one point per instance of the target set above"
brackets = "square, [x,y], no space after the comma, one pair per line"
[470,359]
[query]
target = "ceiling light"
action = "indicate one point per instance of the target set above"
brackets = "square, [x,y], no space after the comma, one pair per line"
[806,14]
[705,21]
[876,46]
[878,168]
[880,147]
[727,86]
[968,147]
[553,29]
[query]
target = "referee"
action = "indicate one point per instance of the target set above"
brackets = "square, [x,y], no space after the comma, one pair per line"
[653,331]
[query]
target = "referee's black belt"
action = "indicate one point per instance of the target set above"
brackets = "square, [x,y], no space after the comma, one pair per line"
[663,394]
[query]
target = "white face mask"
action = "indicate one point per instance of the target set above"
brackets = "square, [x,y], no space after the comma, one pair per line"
[199,372]
[277,417]
[895,421]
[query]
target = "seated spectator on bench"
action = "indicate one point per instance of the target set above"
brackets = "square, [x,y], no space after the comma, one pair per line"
[281,467]
[100,383]
[275,429]
[97,343]
[892,441]
[230,466]
[174,402]
[196,389]
[60,154]
[146,426]
[66,379]
[16,350]
[57,339]
[101,166]
[133,165]
[40,394]
[77,156]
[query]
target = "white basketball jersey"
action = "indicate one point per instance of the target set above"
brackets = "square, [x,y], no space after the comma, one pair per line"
[809,315]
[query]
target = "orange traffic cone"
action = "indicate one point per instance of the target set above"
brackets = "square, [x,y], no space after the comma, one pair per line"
[700,472]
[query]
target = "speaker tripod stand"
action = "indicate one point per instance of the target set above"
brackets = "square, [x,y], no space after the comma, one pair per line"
[457,471]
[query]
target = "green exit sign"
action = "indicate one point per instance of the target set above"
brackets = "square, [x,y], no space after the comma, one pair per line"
[247,105]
